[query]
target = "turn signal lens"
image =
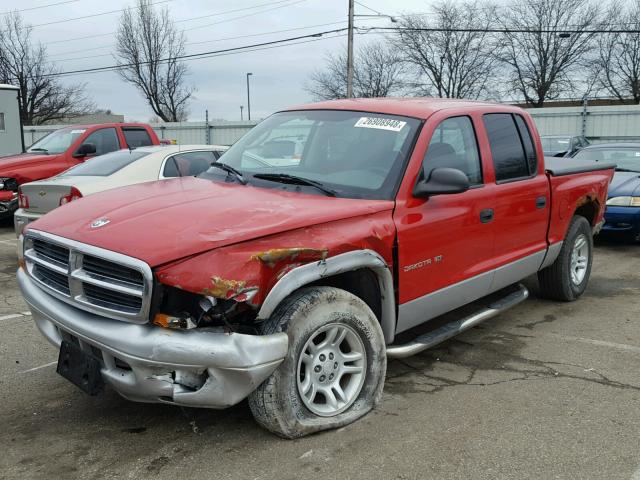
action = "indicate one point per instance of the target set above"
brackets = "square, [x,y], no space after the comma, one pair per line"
[23,200]
[169,321]
[74,194]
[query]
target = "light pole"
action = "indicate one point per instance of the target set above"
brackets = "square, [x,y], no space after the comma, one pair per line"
[350,52]
[241,117]
[248,98]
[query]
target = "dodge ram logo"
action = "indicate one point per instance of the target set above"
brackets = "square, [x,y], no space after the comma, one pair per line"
[101,222]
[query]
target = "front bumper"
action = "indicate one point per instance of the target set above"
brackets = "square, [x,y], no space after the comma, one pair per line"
[22,218]
[146,363]
[7,207]
[622,219]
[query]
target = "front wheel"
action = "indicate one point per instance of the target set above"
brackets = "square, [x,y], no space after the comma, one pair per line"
[566,279]
[335,368]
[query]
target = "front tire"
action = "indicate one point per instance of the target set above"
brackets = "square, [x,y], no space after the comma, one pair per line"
[566,279]
[335,368]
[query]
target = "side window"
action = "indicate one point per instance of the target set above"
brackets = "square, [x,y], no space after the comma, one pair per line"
[188,164]
[105,140]
[2,126]
[454,145]
[527,142]
[137,137]
[507,148]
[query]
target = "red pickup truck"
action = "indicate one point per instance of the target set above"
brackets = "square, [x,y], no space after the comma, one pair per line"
[62,149]
[296,265]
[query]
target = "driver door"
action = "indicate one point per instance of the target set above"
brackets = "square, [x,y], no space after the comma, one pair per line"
[445,242]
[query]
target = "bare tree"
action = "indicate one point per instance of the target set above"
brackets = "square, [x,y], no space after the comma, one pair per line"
[616,63]
[541,62]
[23,63]
[377,73]
[446,61]
[147,51]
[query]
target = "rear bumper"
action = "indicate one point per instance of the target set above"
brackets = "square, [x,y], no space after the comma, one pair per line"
[146,363]
[22,218]
[7,207]
[622,219]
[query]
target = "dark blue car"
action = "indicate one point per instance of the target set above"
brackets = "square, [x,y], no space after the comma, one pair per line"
[623,205]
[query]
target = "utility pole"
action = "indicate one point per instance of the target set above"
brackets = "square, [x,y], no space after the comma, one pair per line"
[350,53]
[248,98]
[241,117]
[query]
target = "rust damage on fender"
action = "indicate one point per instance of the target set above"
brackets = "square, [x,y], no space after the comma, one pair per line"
[275,255]
[230,289]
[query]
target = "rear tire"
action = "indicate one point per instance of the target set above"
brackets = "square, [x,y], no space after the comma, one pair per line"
[335,367]
[566,278]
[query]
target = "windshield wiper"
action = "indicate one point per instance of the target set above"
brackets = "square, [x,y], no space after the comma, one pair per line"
[39,150]
[626,170]
[229,169]
[295,180]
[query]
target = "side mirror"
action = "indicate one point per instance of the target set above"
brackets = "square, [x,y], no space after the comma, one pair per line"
[442,181]
[84,150]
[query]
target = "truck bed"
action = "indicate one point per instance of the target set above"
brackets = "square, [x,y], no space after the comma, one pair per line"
[559,167]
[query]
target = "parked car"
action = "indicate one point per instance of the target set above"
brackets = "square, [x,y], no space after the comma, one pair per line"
[291,284]
[63,149]
[623,204]
[562,145]
[112,170]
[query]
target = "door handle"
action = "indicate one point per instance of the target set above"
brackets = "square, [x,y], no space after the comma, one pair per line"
[541,202]
[486,215]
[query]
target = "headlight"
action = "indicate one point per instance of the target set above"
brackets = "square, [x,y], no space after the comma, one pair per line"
[2,183]
[624,202]
[8,184]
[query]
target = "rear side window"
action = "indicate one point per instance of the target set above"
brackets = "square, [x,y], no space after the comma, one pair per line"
[188,164]
[137,137]
[511,146]
[454,145]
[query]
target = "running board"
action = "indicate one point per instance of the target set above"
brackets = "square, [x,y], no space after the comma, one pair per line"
[452,329]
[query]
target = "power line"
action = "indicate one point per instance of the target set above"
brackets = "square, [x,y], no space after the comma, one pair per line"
[38,8]
[92,15]
[506,30]
[194,18]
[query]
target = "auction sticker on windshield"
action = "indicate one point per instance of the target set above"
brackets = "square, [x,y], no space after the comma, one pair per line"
[380,123]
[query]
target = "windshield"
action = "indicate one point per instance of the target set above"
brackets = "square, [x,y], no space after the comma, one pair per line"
[106,164]
[626,158]
[555,144]
[57,142]
[352,154]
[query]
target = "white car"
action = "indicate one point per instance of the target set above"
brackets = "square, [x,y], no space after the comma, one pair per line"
[112,170]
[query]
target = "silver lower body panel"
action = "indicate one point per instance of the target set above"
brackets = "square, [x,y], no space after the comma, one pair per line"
[146,363]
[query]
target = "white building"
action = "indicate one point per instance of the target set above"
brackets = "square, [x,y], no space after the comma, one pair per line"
[10,129]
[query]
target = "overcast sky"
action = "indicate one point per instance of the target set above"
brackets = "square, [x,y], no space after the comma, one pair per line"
[279,74]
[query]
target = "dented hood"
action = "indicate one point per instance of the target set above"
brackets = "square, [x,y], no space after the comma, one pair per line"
[162,221]
[12,163]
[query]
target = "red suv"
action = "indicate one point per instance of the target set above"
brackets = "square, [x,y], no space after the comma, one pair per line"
[63,149]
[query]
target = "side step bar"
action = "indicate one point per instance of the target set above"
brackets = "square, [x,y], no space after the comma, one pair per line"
[452,329]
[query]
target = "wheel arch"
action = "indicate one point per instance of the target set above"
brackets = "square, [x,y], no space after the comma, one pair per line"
[357,272]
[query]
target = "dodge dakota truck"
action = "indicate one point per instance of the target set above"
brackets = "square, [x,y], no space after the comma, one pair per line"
[62,149]
[312,251]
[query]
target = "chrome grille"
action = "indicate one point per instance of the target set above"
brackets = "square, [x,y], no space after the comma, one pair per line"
[97,280]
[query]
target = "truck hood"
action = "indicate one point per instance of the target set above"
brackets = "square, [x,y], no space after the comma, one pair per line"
[163,221]
[10,163]
[624,184]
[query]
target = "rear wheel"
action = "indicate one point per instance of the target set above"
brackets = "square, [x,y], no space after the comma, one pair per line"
[335,368]
[566,279]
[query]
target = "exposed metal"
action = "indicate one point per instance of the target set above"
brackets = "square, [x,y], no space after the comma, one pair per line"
[69,273]
[452,329]
[345,262]
[331,369]
[579,259]
[200,367]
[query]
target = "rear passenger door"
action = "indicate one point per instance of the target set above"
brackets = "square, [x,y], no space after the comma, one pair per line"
[188,164]
[521,199]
